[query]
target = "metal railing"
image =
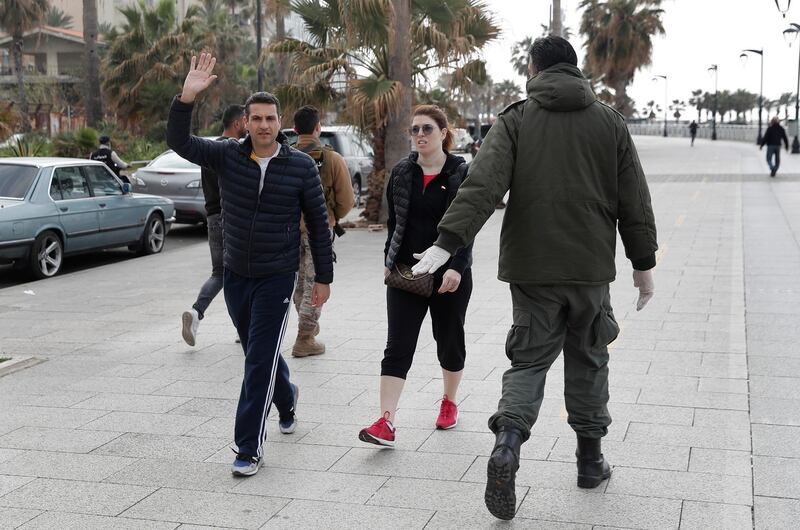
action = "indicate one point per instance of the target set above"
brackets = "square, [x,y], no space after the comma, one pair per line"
[725,131]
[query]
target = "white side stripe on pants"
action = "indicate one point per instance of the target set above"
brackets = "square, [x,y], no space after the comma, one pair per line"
[262,434]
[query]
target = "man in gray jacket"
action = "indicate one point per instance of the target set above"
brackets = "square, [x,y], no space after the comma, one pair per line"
[575,179]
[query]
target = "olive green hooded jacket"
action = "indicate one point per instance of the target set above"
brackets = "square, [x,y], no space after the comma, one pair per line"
[574,177]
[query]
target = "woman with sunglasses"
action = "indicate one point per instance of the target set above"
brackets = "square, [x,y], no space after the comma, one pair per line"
[420,189]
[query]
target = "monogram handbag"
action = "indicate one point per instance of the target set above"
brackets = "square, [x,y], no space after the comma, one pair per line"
[401,277]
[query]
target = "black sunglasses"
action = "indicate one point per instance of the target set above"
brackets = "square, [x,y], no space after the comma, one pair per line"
[426,129]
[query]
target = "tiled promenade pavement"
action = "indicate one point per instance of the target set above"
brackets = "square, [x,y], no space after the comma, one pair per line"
[124,426]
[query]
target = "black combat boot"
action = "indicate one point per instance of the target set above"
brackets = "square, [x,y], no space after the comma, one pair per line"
[592,467]
[500,497]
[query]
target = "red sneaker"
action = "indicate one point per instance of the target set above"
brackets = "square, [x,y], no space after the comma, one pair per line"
[448,414]
[380,433]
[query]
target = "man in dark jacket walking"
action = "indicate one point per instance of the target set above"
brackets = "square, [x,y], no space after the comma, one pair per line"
[265,187]
[774,135]
[574,177]
[234,126]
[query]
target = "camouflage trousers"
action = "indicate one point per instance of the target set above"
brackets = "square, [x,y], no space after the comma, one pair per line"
[308,315]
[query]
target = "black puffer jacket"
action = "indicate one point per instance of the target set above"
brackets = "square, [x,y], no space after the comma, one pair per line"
[415,212]
[262,231]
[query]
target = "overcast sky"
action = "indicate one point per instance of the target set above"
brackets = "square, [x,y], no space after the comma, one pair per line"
[698,34]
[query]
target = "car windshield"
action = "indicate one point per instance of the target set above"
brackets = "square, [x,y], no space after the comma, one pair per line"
[172,161]
[15,181]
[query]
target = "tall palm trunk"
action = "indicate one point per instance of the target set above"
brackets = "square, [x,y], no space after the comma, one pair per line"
[94,110]
[24,118]
[621,102]
[376,179]
[557,27]
[396,136]
[280,36]
[259,28]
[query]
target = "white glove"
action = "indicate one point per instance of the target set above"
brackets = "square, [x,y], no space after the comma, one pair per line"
[644,281]
[430,261]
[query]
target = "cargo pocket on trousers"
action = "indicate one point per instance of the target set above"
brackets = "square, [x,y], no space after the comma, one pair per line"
[519,335]
[604,328]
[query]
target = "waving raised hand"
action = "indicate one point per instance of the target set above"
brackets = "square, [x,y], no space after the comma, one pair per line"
[199,77]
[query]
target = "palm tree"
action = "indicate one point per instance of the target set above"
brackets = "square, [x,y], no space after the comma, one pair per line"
[678,106]
[145,61]
[399,70]
[505,93]
[785,99]
[697,101]
[94,110]
[17,17]
[619,41]
[519,55]
[279,10]
[209,26]
[56,18]
[348,54]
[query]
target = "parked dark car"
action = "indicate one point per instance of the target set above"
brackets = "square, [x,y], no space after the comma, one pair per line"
[356,152]
[53,207]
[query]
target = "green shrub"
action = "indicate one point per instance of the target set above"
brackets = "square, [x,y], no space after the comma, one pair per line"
[75,144]
[28,145]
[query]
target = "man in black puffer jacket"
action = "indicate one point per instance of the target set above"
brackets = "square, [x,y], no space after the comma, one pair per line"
[265,186]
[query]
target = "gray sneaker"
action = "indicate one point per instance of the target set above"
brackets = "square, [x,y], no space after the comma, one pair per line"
[288,423]
[190,320]
[245,465]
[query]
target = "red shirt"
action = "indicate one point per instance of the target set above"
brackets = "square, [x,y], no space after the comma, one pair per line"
[427,179]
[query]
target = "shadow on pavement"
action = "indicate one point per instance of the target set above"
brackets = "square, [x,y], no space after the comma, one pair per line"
[179,236]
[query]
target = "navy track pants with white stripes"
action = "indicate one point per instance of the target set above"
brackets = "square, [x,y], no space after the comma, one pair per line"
[259,308]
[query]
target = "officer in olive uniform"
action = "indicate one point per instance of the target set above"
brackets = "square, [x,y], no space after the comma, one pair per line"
[574,179]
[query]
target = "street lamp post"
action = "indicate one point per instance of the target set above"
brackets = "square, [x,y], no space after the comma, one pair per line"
[714,68]
[761,90]
[656,78]
[783,6]
[790,34]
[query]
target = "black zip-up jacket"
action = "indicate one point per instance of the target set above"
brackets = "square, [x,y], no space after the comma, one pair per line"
[415,211]
[262,230]
[774,135]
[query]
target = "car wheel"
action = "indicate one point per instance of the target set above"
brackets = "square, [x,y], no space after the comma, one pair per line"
[47,254]
[357,191]
[153,237]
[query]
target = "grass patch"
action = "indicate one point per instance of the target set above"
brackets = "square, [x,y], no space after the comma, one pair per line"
[3,359]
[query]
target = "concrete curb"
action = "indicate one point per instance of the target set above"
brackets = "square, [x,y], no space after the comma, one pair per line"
[14,364]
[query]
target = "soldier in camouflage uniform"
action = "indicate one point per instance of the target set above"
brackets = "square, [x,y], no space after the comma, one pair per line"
[339,199]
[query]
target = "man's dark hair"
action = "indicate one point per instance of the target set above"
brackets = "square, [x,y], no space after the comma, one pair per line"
[550,50]
[104,139]
[306,119]
[231,114]
[261,97]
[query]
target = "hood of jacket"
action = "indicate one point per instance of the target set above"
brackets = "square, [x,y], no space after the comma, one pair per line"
[561,88]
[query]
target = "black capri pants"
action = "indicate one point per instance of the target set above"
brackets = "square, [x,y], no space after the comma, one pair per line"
[406,311]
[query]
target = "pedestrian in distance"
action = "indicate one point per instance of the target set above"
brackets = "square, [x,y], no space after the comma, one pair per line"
[574,178]
[234,126]
[339,200]
[693,131]
[773,136]
[265,186]
[110,158]
[420,188]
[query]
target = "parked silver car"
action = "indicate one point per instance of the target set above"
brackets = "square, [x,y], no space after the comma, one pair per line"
[347,142]
[177,179]
[54,207]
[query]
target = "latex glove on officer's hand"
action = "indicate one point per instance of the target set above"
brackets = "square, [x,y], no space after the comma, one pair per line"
[430,261]
[643,280]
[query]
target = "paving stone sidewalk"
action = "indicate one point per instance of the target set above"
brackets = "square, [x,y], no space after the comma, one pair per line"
[124,426]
